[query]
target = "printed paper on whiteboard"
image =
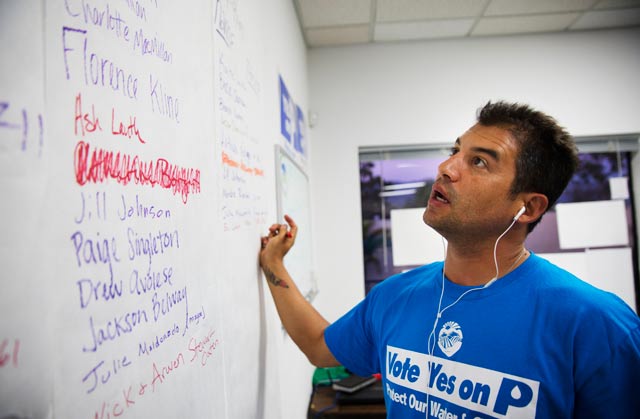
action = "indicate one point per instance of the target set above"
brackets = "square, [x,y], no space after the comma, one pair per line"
[619,187]
[414,242]
[592,224]
[612,270]
[574,262]
[607,269]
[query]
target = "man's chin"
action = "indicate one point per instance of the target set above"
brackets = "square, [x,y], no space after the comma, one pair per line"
[425,217]
[440,226]
[428,220]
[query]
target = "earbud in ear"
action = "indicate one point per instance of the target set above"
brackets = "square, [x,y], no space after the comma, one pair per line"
[522,210]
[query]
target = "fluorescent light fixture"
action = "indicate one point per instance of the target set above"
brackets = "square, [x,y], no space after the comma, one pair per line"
[397,193]
[397,186]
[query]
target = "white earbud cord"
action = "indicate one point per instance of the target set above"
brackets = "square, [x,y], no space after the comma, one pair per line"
[432,345]
[495,254]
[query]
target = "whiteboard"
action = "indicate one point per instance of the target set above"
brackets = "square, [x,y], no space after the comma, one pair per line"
[136,312]
[24,328]
[294,199]
[138,174]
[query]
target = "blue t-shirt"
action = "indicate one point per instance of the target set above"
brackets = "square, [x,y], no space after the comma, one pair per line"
[537,343]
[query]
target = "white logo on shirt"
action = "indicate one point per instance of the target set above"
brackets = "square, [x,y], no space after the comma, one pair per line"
[450,338]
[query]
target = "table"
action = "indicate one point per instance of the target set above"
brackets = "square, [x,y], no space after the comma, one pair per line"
[323,405]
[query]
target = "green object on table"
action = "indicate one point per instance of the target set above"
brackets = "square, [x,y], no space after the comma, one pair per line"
[326,376]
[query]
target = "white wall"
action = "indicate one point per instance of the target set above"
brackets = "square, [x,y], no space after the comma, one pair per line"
[428,92]
[288,372]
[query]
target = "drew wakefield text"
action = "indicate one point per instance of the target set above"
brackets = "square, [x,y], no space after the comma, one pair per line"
[456,390]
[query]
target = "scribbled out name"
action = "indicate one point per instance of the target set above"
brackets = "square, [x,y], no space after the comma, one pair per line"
[96,165]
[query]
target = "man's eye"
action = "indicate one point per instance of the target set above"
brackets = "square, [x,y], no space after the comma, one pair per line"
[453,150]
[477,161]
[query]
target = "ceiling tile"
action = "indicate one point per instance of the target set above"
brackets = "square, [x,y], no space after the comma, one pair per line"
[524,24]
[516,7]
[318,13]
[422,30]
[340,35]
[608,19]
[341,22]
[401,10]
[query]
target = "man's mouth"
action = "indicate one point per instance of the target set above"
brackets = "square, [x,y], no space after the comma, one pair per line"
[439,197]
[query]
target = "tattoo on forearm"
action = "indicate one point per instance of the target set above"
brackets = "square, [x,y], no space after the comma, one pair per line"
[271,277]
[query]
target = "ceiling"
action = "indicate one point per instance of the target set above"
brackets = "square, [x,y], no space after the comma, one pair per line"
[343,22]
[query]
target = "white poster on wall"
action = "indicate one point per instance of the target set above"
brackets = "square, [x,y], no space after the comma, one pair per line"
[414,243]
[608,269]
[592,224]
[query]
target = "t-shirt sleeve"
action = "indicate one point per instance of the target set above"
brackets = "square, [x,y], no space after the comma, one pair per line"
[350,339]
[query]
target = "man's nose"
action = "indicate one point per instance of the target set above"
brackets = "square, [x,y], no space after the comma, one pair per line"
[450,168]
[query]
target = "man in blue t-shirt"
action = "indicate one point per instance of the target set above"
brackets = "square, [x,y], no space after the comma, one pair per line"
[493,331]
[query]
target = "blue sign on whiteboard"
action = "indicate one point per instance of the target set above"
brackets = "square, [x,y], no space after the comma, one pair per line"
[292,126]
[299,136]
[286,111]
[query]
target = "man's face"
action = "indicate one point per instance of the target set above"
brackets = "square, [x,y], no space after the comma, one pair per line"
[470,198]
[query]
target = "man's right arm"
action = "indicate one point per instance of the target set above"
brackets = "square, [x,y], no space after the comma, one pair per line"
[300,319]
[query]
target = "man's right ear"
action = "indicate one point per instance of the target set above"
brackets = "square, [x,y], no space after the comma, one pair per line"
[535,206]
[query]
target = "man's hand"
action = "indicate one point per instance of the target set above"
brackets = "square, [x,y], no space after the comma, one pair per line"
[303,323]
[277,243]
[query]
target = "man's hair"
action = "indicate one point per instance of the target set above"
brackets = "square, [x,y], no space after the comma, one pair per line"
[547,157]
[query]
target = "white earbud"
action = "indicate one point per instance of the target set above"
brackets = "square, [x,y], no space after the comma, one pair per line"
[522,210]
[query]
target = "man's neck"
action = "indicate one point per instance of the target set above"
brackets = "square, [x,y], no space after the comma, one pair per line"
[475,266]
